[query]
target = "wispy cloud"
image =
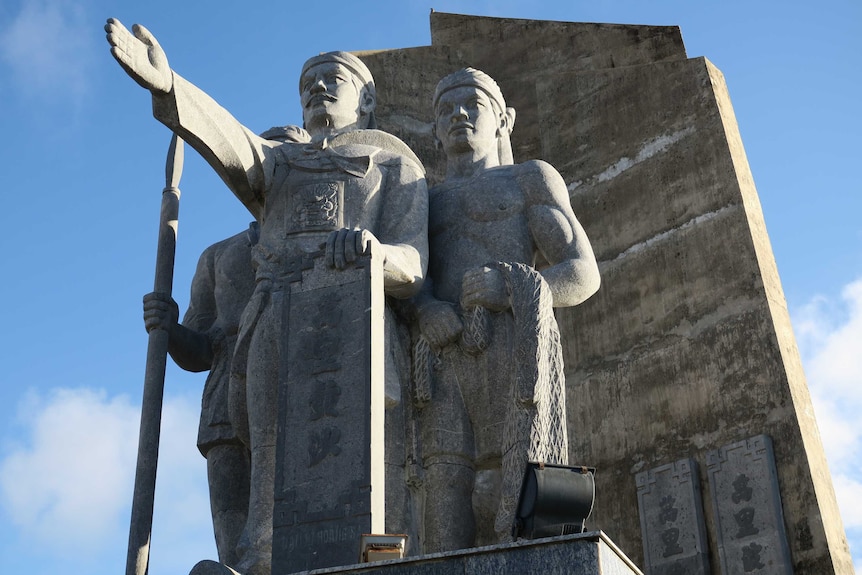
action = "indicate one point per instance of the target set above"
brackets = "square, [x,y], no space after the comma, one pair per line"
[829,333]
[48,49]
[66,482]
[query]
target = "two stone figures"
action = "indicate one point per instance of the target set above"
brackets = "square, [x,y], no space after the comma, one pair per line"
[484,309]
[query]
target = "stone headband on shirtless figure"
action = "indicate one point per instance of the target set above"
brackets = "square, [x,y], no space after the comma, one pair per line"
[479,79]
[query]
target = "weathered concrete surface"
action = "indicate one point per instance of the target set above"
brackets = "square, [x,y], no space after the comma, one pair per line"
[688,344]
[517,52]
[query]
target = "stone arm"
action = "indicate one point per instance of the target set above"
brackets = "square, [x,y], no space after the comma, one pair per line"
[242,159]
[403,228]
[572,272]
[438,320]
[191,350]
[190,343]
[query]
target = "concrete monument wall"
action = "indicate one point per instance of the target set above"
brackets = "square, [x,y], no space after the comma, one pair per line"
[687,348]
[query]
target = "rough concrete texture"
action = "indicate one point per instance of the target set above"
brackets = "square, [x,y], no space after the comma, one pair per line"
[688,344]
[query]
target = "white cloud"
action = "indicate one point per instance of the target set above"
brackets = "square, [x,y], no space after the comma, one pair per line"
[830,339]
[48,48]
[67,484]
[75,467]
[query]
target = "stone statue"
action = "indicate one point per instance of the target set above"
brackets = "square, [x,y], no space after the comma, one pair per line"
[205,340]
[351,190]
[505,249]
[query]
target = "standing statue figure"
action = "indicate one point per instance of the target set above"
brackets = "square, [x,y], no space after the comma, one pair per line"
[205,340]
[505,248]
[352,188]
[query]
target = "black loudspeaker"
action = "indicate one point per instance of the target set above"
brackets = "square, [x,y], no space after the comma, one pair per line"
[555,500]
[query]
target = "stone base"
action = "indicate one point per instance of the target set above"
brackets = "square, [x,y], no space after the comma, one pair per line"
[590,553]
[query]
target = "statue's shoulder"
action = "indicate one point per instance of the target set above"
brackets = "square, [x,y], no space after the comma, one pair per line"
[541,182]
[390,150]
[535,168]
[240,240]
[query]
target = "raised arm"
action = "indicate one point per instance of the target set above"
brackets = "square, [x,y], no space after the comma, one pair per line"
[241,158]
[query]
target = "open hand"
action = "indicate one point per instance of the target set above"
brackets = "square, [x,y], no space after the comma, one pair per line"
[140,56]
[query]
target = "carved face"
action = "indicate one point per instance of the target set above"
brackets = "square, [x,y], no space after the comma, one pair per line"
[331,99]
[467,120]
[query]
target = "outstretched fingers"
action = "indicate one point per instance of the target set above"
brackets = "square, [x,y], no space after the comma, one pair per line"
[139,54]
[119,38]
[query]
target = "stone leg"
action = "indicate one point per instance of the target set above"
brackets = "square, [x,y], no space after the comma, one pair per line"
[486,500]
[262,393]
[448,452]
[449,522]
[228,474]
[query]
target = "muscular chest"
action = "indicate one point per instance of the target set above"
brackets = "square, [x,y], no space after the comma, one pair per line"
[484,205]
[479,221]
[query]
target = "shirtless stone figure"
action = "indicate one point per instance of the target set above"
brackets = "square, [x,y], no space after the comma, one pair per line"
[205,340]
[505,247]
[354,189]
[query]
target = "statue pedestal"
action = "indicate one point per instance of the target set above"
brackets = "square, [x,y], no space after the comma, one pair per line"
[590,553]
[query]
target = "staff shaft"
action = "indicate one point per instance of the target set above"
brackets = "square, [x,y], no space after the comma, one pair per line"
[140,530]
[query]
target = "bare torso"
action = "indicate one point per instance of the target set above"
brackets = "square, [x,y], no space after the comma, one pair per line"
[477,221]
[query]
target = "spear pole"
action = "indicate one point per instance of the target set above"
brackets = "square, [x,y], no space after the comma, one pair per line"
[137,560]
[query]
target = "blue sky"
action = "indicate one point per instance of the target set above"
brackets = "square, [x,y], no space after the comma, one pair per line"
[83,161]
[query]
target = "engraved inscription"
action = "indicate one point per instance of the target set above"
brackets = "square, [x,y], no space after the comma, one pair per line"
[670,539]
[745,520]
[321,347]
[741,490]
[323,442]
[324,400]
[668,512]
[747,505]
[672,520]
[322,536]
[751,558]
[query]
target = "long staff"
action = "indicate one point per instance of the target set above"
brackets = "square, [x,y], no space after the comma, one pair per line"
[137,560]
